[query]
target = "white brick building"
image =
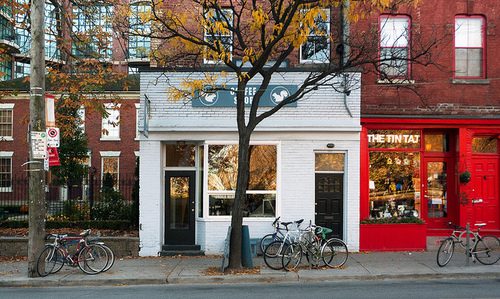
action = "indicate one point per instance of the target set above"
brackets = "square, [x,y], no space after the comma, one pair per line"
[305,164]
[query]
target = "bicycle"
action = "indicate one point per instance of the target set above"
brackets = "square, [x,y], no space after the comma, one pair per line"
[274,251]
[316,247]
[277,235]
[90,258]
[485,249]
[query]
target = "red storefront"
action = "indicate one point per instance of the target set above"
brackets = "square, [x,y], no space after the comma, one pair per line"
[419,168]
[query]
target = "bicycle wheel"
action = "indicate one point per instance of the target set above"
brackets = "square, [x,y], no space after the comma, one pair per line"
[334,253]
[267,239]
[487,250]
[273,255]
[49,261]
[292,256]
[111,255]
[93,259]
[445,252]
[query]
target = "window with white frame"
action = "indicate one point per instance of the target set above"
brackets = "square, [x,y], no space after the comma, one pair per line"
[6,121]
[93,30]
[6,171]
[222,174]
[317,47]
[469,47]
[110,167]
[111,123]
[217,33]
[394,45]
[139,43]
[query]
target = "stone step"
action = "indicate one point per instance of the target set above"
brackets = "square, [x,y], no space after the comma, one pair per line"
[182,252]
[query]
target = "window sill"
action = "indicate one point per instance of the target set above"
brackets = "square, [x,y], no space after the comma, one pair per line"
[396,81]
[471,81]
[5,189]
[110,139]
[7,138]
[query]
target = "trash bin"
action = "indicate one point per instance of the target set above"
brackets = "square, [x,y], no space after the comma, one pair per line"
[246,253]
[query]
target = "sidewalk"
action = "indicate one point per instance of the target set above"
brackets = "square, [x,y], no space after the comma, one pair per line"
[192,270]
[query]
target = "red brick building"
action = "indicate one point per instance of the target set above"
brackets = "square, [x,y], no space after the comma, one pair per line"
[421,140]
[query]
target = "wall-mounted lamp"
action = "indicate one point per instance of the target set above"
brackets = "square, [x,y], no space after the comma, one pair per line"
[330,145]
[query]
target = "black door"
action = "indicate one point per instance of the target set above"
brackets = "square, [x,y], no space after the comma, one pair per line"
[329,202]
[179,207]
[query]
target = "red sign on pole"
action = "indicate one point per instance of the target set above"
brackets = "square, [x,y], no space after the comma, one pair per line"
[53,156]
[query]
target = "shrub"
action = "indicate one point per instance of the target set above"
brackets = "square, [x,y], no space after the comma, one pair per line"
[111,206]
[76,210]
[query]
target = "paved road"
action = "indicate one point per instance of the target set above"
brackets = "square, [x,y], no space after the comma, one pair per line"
[406,289]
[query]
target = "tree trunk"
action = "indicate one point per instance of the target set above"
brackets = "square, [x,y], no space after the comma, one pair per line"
[239,200]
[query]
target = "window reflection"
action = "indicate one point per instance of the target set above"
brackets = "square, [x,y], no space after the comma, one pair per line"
[329,162]
[180,155]
[394,184]
[436,142]
[485,145]
[222,177]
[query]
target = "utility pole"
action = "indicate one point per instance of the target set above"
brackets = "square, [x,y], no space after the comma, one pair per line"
[36,133]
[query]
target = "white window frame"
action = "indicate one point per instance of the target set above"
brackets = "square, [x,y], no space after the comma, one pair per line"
[113,110]
[205,36]
[473,40]
[207,192]
[7,155]
[8,107]
[111,154]
[393,38]
[312,34]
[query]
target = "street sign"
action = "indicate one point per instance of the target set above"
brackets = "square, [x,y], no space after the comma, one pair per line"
[50,119]
[39,144]
[53,137]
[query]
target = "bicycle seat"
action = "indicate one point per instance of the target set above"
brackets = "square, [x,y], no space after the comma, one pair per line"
[85,233]
[480,224]
[286,224]
[299,221]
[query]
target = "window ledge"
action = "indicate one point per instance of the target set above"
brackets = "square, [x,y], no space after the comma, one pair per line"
[5,189]
[396,81]
[110,139]
[6,138]
[471,81]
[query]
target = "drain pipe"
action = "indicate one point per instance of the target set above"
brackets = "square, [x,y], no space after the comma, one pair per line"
[344,55]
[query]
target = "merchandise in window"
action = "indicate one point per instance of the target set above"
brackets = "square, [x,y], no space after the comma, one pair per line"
[394,46]
[222,176]
[317,47]
[469,44]
[394,184]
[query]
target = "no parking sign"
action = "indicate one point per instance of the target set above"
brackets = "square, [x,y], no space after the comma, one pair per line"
[52,137]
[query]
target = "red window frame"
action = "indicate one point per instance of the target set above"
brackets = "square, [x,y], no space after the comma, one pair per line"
[408,64]
[483,47]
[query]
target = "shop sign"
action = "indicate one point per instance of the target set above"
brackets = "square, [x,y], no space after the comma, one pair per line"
[273,95]
[394,138]
[53,157]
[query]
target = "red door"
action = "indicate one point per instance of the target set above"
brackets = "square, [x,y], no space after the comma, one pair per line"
[440,203]
[485,197]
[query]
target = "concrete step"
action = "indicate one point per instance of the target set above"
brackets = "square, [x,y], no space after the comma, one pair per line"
[182,252]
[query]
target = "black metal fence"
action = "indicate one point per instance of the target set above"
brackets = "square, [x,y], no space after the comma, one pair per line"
[87,200]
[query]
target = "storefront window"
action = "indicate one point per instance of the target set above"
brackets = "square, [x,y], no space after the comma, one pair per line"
[394,184]
[180,155]
[407,139]
[485,145]
[222,176]
[436,142]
